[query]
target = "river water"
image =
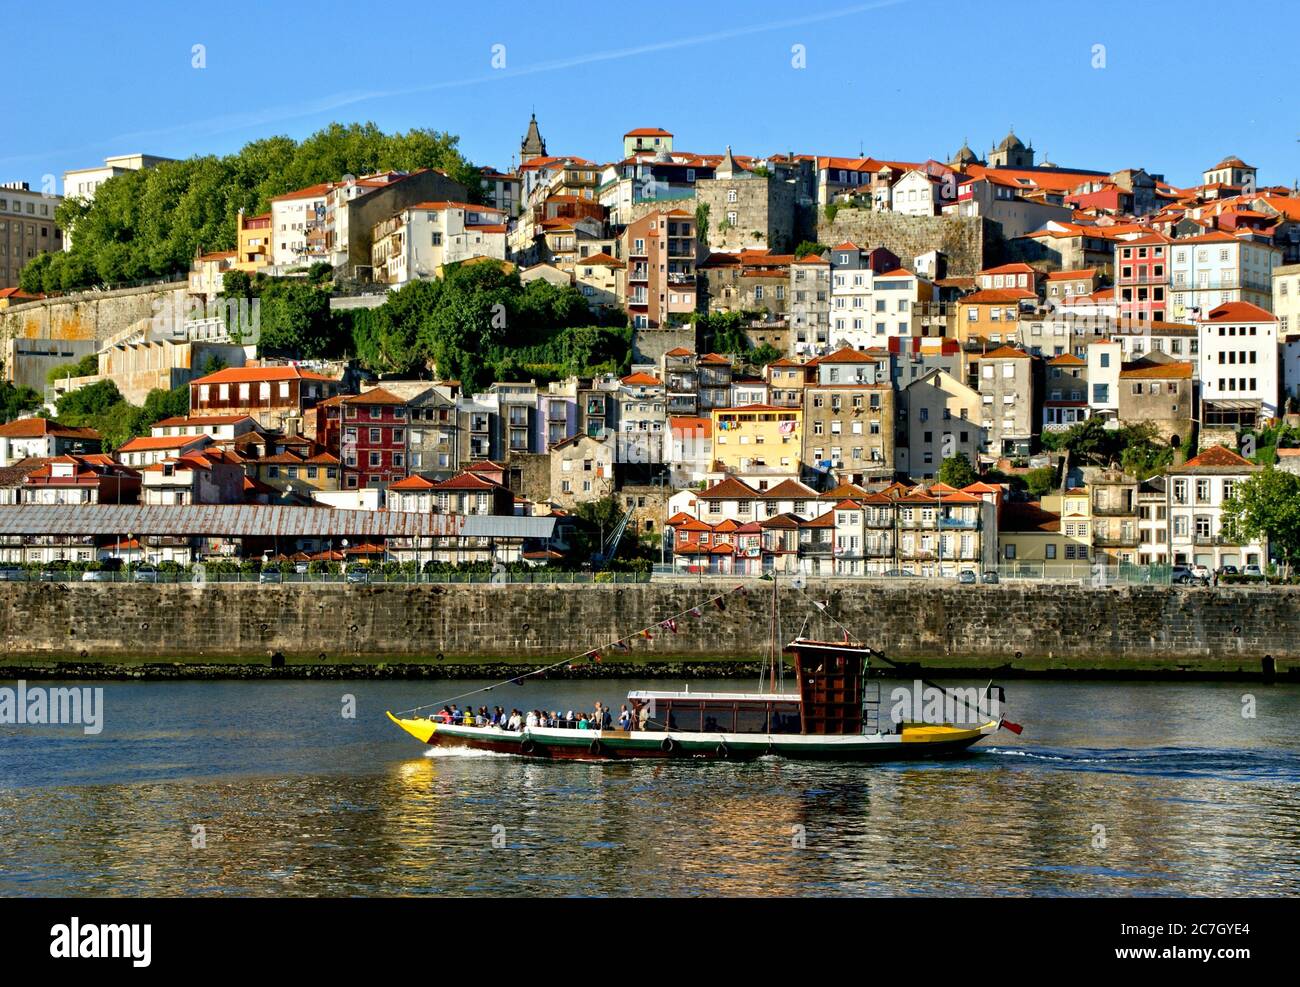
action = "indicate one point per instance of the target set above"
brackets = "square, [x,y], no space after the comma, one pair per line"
[266,788]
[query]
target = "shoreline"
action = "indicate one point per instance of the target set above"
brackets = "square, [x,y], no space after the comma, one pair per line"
[153,670]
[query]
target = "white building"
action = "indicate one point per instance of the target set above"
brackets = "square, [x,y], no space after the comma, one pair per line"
[1239,357]
[82,183]
[419,240]
[1105,360]
[1196,494]
[298,226]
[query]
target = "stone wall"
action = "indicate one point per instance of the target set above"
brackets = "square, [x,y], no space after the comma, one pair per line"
[970,243]
[95,315]
[1005,627]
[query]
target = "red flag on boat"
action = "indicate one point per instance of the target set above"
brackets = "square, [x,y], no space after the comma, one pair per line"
[696,612]
[1013,727]
[647,635]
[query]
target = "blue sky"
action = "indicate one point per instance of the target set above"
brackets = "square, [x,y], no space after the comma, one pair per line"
[119,79]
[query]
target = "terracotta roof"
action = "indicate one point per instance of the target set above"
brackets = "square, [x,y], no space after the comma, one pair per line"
[466,481]
[1028,517]
[846,354]
[648,132]
[1239,312]
[642,379]
[413,482]
[1067,360]
[199,420]
[1215,456]
[310,192]
[1086,272]
[790,490]
[1009,269]
[146,443]
[729,489]
[241,375]
[376,395]
[601,259]
[35,428]
[996,296]
[1151,370]
[1002,353]
[826,520]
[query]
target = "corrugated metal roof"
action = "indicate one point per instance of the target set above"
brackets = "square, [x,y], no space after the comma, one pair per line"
[246,520]
[500,526]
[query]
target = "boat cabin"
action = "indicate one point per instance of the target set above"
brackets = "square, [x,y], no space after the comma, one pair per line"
[717,712]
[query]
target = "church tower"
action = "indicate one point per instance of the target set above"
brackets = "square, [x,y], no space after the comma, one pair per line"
[532,146]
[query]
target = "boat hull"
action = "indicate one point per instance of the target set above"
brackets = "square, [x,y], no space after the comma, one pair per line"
[912,743]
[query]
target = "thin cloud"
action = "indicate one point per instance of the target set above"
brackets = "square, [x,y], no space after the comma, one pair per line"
[338,101]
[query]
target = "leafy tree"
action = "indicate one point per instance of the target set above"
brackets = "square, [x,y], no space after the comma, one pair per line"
[147,223]
[296,321]
[1040,481]
[87,366]
[809,247]
[957,471]
[236,284]
[320,273]
[1267,505]
[702,222]
[77,407]
[14,401]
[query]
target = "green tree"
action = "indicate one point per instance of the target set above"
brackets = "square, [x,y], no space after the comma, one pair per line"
[296,321]
[79,406]
[957,471]
[1267,505]
[87,366]
[14,401]
[807,247]
[1040,481]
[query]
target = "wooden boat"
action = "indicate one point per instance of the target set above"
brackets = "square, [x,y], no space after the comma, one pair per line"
[835,716]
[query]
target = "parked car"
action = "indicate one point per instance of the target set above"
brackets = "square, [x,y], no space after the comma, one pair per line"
[898,572]
[145,573]
[1201,571]
[97,576]
[12,573]
[967,576]
[358,576]
[270,576]
[991,576]
[1227,570]
[1253,572]
[1185,575]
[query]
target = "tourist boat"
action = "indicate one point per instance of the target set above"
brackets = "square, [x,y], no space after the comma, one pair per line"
[834,716]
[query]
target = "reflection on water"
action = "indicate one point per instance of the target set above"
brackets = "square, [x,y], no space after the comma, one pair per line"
[1133,789]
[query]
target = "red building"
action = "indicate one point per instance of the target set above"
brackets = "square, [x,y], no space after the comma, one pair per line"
[370,432]
[275,397]
[1142,278]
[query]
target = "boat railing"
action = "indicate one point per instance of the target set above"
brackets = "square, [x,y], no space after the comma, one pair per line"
[871,707]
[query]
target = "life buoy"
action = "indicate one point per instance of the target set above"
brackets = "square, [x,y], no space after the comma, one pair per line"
[529,746]
[723,751]
[668,745]
[596,747]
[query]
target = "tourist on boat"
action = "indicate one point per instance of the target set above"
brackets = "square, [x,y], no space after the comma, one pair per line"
[644,718]
[516,721]
[531,721]
[624,719]
[606,718]
[582,722]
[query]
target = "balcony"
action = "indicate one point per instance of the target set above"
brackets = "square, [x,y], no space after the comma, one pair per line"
[959,524]
[817,549]
[1114,510]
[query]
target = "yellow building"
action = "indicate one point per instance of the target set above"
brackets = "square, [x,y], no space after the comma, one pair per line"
[757,435]
[253,249]
[1042,536]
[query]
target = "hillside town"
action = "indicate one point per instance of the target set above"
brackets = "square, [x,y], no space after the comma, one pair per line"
[976,366]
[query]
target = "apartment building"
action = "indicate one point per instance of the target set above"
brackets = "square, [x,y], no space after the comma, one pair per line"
[661,284]
[26,229]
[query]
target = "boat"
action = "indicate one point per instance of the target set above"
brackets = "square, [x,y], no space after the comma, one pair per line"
[835,715]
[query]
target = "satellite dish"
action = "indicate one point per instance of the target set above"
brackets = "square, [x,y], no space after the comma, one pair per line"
[797,582]
[349,179]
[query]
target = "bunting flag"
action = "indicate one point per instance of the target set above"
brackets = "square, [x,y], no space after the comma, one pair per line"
[620,645]
[740,590]
[669,625]
[595,656]
[696,612]
[647,635]
[720,603]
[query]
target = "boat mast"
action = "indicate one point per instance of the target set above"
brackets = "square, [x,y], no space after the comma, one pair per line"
[774,648]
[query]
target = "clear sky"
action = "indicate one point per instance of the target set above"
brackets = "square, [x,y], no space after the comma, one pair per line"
[898,79]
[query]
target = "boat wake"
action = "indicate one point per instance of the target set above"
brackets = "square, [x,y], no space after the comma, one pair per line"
[463,752]
[1167,762]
